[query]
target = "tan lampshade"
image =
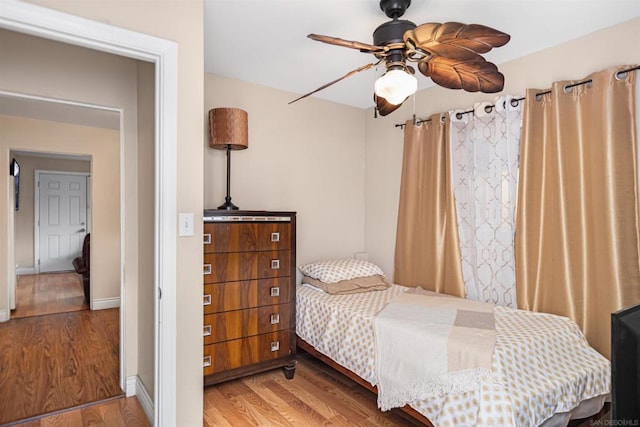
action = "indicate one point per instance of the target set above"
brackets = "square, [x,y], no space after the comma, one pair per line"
[228,127]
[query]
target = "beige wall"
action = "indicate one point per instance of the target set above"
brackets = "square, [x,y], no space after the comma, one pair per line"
[573,60]
[26,134]
[24,216]
[146,169]
[182,22]
[306,157]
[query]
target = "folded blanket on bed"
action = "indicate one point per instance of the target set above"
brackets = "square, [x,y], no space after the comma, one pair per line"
[430,345]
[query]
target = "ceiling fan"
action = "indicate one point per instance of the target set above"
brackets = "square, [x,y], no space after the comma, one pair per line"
[448,53]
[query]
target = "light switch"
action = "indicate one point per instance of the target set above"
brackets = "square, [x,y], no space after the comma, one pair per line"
[186,224]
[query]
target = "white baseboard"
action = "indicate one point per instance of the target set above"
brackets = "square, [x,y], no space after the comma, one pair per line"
[4,315]
[25,270]
[104,303]
[135,387]
[130,386]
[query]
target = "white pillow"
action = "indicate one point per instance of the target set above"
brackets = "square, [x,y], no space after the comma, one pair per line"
[332,271]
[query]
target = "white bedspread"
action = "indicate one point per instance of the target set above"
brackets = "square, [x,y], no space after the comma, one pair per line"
[541,363]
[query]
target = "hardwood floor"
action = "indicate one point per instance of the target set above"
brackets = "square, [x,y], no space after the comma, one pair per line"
[38,294]
[120,412]
[317,396]
[48,363]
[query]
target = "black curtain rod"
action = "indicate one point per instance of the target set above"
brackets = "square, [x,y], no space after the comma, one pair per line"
[619,75]
[514,101]
[417,122]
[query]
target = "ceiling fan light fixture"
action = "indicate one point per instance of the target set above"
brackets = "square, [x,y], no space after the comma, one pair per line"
[395,86]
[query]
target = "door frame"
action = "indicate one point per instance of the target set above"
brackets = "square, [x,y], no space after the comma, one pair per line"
[36,214]
[51,24]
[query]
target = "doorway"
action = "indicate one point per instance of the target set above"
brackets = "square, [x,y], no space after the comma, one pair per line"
[24,17]
[59,289]
[57,343]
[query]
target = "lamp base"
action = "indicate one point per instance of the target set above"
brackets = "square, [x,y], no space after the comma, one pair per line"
[227,205]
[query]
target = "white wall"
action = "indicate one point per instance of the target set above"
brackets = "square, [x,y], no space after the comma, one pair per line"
[305,157]
[573,60]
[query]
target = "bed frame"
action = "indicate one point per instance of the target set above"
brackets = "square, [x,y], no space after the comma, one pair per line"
[405,411]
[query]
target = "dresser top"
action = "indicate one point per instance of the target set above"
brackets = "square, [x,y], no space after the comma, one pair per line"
[218,215]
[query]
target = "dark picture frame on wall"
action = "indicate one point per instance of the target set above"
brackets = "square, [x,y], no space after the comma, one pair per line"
[14,170]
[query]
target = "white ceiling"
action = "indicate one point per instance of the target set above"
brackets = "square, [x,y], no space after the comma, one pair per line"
[264,41]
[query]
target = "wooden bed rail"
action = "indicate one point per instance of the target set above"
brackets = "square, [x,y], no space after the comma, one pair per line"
[406,411]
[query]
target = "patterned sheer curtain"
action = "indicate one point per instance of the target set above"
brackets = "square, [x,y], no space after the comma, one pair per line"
[577,240]
[485,150]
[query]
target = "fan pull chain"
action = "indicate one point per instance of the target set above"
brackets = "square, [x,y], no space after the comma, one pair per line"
[414,108]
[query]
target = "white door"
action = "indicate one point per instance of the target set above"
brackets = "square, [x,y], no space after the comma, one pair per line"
[62,211]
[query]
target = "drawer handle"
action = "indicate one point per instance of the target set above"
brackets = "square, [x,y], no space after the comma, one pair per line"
[206,330]
[206,269]
[275,264]
[206,239]
[206,299]
[275,237]
[275,292]
[275,319]
[206,361]
[275,346]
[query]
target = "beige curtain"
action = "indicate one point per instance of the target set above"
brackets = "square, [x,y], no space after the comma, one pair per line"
[577,209]
[427,251]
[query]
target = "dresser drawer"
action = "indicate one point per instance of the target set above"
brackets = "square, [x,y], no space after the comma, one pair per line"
[245,351]
[231,267]
[241,237]
[236,324]
[245,294]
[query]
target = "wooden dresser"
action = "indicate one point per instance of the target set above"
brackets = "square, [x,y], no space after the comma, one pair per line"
[249,293]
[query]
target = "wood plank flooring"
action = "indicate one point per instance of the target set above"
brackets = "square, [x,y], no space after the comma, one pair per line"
[38,294]
[317,396]
[120,412]
[48,363]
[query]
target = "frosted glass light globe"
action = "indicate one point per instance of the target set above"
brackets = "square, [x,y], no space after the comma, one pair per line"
[395,86]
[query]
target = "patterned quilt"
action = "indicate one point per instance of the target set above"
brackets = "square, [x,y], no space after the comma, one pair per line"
[541,363]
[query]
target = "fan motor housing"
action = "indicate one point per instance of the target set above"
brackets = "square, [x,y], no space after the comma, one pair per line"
[391,32]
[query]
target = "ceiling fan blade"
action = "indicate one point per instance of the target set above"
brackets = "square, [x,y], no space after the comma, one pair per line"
[362,47]
[455,40]
[471,76]
[385,107]
[349,74]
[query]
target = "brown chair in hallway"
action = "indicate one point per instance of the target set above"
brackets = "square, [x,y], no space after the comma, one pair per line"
[82,265]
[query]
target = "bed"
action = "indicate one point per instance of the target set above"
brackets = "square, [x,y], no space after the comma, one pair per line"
[542,370]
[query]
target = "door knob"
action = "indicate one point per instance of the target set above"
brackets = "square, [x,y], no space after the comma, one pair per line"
[82,230]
